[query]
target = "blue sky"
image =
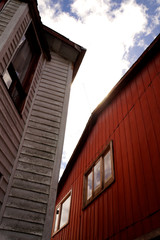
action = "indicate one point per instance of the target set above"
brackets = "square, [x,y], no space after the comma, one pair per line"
[115,33]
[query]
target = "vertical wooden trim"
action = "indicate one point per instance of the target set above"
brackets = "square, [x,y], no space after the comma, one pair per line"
[111,179]
[84,191]
[59,217]
[112,159]
[55,174]
[54,219]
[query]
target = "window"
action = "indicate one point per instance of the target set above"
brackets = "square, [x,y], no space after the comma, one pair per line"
[19,73]
[62,213]
[99,176]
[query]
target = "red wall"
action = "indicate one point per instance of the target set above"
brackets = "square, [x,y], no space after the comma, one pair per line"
[130,207]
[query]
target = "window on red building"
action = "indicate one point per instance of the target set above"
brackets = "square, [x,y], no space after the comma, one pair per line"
[99,176]
[62,213]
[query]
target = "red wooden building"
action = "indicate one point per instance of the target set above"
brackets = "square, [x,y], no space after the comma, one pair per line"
[110,188]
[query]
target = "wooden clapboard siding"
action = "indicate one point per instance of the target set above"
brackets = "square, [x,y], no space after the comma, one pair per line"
[12,126]
[15,16]
[130,207]
[18,20]
[32,89]
[7,13]
[11,131]
[29,193]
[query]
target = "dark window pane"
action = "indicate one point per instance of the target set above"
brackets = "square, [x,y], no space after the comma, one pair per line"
[22,59]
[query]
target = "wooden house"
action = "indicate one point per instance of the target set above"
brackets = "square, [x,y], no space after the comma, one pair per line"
[110,187]
[37,67]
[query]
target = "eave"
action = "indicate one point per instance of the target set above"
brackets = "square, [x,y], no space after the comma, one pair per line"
[65,48]
[51,40]
[142,60]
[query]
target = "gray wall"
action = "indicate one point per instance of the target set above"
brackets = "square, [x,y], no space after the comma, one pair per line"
[14,19]
[31,144]
[33,187]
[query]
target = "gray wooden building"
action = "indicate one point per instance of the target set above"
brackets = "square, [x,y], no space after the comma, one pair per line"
[37,67]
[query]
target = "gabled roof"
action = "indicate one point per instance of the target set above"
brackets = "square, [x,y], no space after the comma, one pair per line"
[143,59]
[51,40]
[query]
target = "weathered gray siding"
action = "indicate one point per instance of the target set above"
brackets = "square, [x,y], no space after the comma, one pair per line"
[33,187]
[30,144]
[14,20]
[7,14]
[11,129]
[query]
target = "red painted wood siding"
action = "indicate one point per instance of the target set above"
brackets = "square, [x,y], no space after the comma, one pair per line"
[130,207]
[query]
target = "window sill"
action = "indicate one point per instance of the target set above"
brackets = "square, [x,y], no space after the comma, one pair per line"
[60,230]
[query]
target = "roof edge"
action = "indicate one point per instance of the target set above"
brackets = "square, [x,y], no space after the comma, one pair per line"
[40,29]
[79,48]
[33,9]
[128,76]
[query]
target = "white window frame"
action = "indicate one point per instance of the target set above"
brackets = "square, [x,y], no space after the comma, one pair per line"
[59,206]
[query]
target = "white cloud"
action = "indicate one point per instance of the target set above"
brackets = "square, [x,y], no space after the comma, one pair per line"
[154,21]
[61,172]
[107,33]
[85,8]
[141,43]
[157,16]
